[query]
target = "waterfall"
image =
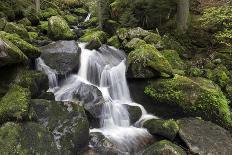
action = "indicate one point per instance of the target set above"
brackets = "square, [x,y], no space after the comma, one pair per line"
[88,17]
[105,69]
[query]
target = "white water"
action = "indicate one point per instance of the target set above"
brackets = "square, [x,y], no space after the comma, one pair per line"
[88,17]
[106,70]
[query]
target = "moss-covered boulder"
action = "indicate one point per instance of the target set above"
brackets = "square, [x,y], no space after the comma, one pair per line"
[43,27]
[25,22]
[71,19]
[91,23]
[94,34]
[93,44]
[164,147]
[45,14]
[58,29]
[2,23]
[28,138]
[68,123]
[134,43]
[155,40]
[138,32]
[114,41]
[33,35]
[80,12]
[165,128]
[18,29]
[147,62]
[15,104]
[197,97]
[28,49]
[9,53]
[135,113]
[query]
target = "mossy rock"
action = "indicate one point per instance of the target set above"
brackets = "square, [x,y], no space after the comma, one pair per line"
[33,18]
[33,35]
[174,59]
[114,41]
[10,54]
[58,29]
[43,27]
[124,33]
[68,123]
[165,128]
[80,12]
[147,62]
[18,29]
[197,97]
[31,29]
[94,34]
[94,44]
[155,40]
[164,147]
[27,138]
[92,22]
[28,49]
[3,22]
[72,20]
[45,14]
[134,43]
[15,104]
[25,22]
[194,72]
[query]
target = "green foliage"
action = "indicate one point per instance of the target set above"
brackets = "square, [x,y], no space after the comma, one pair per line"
[114,41]
[17,29]
[218,19]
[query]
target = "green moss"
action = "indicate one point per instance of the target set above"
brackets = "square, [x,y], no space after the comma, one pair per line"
[135,43]
[122,33]
[59,29]
[147,57]
[174,59]
[28,49]
[2,23]
[11,53]
[166,128]
[194,72]
[18,29]
[155,40]
[15,104]
[94,34]
[164,147]
[197,97]
[113,41]
[45,14]
[43,26]
[80,12]
[72,20]
[24,22]
[33,35]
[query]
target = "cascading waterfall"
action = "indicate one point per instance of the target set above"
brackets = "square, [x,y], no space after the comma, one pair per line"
[106,70]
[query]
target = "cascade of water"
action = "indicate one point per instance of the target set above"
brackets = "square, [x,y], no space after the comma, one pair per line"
[88,17]
[51,73]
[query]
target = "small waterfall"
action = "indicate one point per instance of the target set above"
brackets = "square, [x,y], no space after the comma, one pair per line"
[88,17]
[105,69]
[51,73]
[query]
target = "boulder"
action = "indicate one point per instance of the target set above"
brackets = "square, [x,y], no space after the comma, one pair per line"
[46,14]
[27,138]
[165,128]
[80,12]
[91,34]
[197,97]
[93,44]
[58,29]
[25,22]
[114,41]
[164,147]
[147,62]
[155,40]
[9,53]
[67,122]
[204,137]
[15,104]
[28,49]
[134,43]
[62,56]
[135,113]
[18,29]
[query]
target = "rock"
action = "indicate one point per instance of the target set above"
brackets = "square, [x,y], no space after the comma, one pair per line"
[113,41]
[94,34]
[155,40]
[47,96]
[33,35]
[165,128]
[134,43]
[146,62]
[33,18]
[67,122]
[204,137]
[91,23]
[58,29]
[137,33]
[27,138]
[102,144]
[72,20]
[164,147]
[62,56]
[15,104]
[80,12]
[18,29]
[2,23]
[197,97]
[43,27]
[24,22]
[135,113]
[28,49]
[9,53]
[46,14]
[35,81]
[94,44]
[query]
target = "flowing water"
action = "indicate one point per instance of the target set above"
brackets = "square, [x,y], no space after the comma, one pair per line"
[104,69]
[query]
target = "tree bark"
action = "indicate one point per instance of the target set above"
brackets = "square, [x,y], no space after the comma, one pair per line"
[182,15]
[37,5]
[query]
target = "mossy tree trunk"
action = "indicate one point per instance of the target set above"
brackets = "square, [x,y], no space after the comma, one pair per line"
[182,15]
[37,5]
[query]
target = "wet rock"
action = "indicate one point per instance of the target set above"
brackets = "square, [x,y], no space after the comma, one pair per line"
[102,144]
[66,121]
[62,56]
[197,97]
[94,44]
[204,137]
[9,53]
[164,147]
[165,128]
[135,113]
[27,138]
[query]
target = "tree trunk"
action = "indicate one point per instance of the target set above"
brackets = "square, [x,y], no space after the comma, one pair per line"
[37,5]
[103,12]
[182,15]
